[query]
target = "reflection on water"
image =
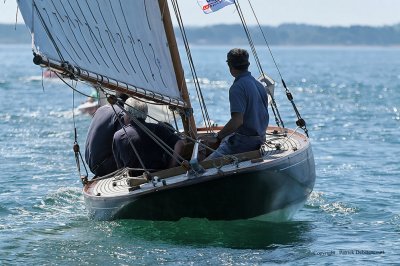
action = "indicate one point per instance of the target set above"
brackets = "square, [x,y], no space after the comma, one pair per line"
[353,111]
[231,234]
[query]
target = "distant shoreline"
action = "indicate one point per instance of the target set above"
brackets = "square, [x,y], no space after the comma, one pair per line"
[273,47]
[283,35]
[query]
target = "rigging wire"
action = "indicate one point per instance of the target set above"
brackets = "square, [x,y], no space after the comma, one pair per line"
[42,80]
[160,142]
[46,30]
[196,80]
[278,119]
[300,121]
[265,39]
[206,117]
[16,16]
[247,32]
[277,116]
[74,89]
[129,138]
[78,155]
[33,28]
[191,65]
[103,90]
[76,149]
[170,151]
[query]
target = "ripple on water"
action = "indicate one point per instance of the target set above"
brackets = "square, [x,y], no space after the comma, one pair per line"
[353,121]
[204,233]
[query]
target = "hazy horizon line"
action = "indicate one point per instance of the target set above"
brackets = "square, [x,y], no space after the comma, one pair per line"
[268,25]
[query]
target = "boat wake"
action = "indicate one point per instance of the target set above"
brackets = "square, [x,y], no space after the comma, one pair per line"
[317,200]
[66,201]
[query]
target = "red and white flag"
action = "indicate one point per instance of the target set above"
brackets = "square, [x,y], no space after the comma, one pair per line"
[210,6]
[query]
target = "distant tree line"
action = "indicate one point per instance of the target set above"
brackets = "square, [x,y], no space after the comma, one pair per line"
[285,34]
[14,33]
[296,34]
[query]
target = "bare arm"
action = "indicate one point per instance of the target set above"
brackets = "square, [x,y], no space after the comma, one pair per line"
[178,149]
[233,124]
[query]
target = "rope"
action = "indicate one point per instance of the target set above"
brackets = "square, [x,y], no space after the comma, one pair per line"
[290,136]
[129,138]
[175,131]
[300,121]
[170,151]
[161,143]
[74,89]
[175,121]
[47,30]
[76,149]
[77,153]
[113,174]
[204,111]
[265,39]
[278,119]
[248,35]
[16,17]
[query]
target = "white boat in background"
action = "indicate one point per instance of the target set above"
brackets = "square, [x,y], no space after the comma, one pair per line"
[129,46]
[48,74]
[88,107]
[92,103]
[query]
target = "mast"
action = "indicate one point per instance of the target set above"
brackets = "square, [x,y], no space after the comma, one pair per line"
[188,118]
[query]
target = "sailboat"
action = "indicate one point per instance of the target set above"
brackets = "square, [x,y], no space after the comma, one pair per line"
[130,47]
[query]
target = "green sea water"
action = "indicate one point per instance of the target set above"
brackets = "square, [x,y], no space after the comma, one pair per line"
[350,99]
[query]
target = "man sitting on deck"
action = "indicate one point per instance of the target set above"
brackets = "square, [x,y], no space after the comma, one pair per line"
[98,152]
[245,131]
[152,155]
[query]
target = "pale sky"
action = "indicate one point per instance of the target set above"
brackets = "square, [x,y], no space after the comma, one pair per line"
[275,12]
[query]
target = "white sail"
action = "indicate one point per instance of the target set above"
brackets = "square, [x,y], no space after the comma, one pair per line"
[122,40]
[120,44]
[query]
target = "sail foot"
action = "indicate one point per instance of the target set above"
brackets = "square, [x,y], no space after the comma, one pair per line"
[67,70]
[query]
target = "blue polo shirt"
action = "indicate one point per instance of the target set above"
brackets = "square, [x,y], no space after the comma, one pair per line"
[248,97]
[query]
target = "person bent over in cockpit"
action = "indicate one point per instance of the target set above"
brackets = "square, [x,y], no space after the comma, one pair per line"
[153,156]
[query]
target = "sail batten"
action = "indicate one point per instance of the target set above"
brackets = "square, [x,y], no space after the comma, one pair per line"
[121,40]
